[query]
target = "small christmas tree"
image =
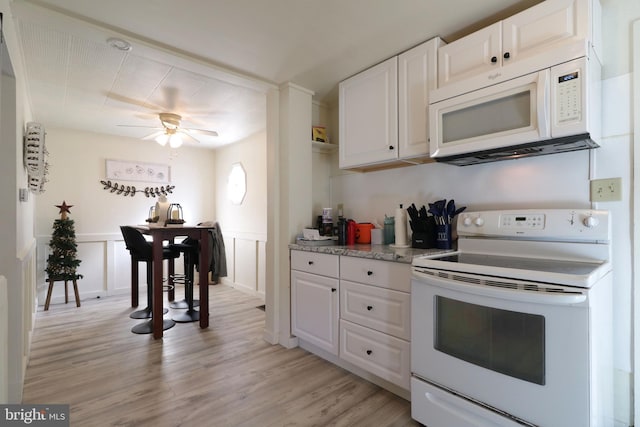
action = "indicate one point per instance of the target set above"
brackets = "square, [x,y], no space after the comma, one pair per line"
[62,262]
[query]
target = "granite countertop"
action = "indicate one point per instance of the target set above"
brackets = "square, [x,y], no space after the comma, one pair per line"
[381,252]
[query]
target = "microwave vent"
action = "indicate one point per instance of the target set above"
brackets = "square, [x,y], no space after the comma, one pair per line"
[539,148]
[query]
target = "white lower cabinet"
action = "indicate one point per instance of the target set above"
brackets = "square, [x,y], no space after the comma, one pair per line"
[356,309]
[315,300]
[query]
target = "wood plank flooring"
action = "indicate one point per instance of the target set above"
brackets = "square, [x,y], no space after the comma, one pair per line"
[226,375]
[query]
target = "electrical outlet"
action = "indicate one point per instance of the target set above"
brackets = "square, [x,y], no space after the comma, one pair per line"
[606,190]
[340,209]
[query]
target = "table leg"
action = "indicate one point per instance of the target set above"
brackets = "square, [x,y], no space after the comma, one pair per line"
[204,278]
[157,287]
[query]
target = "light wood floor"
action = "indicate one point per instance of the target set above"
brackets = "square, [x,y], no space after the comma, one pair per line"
[226,375]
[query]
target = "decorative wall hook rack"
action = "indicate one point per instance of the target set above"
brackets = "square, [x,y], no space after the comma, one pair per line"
[130,190]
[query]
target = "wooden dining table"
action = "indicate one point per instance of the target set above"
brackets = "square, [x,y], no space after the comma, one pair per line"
[160,234]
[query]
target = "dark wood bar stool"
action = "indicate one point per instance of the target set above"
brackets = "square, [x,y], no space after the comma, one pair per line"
[141,251]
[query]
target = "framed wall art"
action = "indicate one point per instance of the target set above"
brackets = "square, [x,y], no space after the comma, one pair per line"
[124,170]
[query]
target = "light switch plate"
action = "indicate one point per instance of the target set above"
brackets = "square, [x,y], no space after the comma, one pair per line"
[606,190]
[23,194]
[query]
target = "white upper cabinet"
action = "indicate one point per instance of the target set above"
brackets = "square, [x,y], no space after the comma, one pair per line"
[383,110]
[417,71]
[369,115]
[546,34]
[469,55]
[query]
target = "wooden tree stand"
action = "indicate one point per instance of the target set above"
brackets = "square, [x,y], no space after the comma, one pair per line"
[66,291]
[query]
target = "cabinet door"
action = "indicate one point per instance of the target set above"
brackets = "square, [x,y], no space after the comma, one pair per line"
[417,70]
[470,55]
[368,116]
[545,27]
[314,310]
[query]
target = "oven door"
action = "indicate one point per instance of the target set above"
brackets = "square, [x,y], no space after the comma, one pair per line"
[509,344]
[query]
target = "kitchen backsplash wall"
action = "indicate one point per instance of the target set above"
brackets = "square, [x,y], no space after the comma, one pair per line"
[560,180]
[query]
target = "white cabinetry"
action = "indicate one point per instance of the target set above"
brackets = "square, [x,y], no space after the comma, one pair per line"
[546,34]
[382,110]
[356,313]
[375,317]
[368,109]
[315,299]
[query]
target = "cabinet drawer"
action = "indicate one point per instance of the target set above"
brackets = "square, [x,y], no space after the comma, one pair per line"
[315,263]
[386,274]
[381,354]
[381,309]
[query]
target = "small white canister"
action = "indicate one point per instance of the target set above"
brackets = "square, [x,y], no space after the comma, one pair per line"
[162,208]
[376,236]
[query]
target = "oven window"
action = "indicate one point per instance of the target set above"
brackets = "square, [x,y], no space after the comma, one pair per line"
[498,115]
[508,342]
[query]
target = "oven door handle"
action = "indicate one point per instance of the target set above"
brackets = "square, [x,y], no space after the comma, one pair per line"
[525,296]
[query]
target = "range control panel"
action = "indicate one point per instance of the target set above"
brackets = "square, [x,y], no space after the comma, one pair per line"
[521,222]
[560,224]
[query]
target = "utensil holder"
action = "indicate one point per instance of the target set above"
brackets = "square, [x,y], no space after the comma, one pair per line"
[443,236]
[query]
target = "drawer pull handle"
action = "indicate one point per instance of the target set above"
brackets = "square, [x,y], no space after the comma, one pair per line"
[369,273]
[369,352]
[369,307]
[310,262]
[333,289]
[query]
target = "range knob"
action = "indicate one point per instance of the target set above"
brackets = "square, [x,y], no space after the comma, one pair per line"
[466,221]
[479,222]
[590,222]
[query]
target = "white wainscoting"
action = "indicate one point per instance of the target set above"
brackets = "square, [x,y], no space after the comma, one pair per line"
[106,266]
[246,258]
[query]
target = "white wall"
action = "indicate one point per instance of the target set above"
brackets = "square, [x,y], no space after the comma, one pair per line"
[244,225]
[77,166]
[17,245]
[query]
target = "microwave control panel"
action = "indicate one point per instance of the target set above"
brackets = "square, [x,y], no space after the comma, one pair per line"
[569,99]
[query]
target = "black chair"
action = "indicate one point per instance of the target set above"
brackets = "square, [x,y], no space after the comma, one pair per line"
[189,248]
[141,251]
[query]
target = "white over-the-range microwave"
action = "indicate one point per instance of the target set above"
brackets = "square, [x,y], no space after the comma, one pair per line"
[554,109]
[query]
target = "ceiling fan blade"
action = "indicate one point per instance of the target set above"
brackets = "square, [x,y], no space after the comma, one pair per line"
[132,101]
[140,126]
[202,131]
[154,135]
[183,132]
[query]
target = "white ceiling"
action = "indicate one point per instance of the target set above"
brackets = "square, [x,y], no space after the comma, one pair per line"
[213,60]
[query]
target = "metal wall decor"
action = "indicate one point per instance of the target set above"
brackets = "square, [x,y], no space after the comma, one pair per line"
[35,154]
[130,190]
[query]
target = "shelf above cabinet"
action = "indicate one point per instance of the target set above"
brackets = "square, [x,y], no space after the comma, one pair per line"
[323,147]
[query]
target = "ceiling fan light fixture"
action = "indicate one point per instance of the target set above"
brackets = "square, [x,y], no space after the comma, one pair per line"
[163,139]
[175,140]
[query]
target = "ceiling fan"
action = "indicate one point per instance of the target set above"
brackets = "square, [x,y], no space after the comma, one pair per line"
[172,133]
